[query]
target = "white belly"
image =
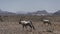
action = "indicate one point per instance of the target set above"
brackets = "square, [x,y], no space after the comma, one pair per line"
[45,20]
[25,22]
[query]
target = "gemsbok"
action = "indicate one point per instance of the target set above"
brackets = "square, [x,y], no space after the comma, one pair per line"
[26,23]
[46,21]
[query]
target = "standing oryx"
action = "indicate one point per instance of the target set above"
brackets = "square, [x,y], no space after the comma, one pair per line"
[27,23]
[46,21]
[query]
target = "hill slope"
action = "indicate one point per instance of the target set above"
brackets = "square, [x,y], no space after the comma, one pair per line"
[57,12]
[43,12]
[6,13]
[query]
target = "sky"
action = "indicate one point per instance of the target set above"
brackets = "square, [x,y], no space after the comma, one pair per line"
[29,5]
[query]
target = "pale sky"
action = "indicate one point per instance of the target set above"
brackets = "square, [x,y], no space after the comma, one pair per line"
[29,5]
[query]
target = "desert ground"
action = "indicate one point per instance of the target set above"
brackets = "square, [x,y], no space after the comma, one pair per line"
[10,25]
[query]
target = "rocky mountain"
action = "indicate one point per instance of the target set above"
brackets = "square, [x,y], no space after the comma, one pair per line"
[6,13]
[57,12]
[21,12]
[43,12]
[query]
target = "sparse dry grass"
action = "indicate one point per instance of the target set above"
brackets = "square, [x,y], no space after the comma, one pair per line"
[11,26]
